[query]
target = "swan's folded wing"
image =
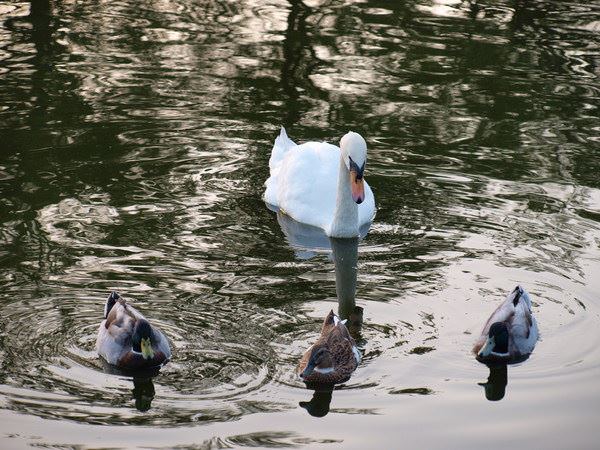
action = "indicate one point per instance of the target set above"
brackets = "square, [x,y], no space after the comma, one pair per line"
[366,210]
[305,185]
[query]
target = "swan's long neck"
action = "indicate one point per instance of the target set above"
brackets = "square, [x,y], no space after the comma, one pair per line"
[345,216]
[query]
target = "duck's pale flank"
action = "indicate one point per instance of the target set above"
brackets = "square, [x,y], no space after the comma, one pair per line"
[511,332]
[127,340]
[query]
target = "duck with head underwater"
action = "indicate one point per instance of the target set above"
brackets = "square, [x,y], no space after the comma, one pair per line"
[127,340]
[511,332]
[334,356]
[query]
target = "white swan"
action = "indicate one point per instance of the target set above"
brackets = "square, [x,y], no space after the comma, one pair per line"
[319,184]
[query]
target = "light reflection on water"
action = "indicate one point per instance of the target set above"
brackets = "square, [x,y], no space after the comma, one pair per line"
[136,139]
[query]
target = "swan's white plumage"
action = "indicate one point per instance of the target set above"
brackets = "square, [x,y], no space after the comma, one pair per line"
[303,183]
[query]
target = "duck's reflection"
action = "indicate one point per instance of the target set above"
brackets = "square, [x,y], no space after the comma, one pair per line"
[143,393]
[495,387]
[345,258]
[318,406]
[143,387]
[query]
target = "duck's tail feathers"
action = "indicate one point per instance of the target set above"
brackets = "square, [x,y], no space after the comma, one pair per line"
[330,319]
[519,294]
[110,302]
[281,146]
[333,319]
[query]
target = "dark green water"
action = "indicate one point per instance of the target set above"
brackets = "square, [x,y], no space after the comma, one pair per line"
[134,142]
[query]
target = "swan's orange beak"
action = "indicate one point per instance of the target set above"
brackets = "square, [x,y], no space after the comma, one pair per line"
[358,187]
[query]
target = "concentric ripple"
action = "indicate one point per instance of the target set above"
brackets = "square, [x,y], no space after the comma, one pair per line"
[50,366]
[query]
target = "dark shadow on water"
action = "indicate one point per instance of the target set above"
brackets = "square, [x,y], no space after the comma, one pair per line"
[319,404]
[40,27]
[143,387]
[299,62]
[495,386]
[412,391]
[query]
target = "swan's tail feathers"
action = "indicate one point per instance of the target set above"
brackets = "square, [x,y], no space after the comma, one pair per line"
[281,146]
[283,140]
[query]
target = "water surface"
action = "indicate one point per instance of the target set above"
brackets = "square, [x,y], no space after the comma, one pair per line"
[135,138]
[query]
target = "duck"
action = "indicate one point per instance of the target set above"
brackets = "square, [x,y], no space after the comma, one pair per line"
[127,340]
[320,184]
[333,358]
[511,332]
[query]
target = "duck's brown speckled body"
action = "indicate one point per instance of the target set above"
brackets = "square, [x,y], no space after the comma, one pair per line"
[334,356]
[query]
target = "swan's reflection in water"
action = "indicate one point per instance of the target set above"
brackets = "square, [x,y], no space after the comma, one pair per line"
[143,387]
[345,258]
[307,240]
[354,323]
[495,387]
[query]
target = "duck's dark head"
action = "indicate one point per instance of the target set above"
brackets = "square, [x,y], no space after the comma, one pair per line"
[497,341]
[321,361]
[142,339]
